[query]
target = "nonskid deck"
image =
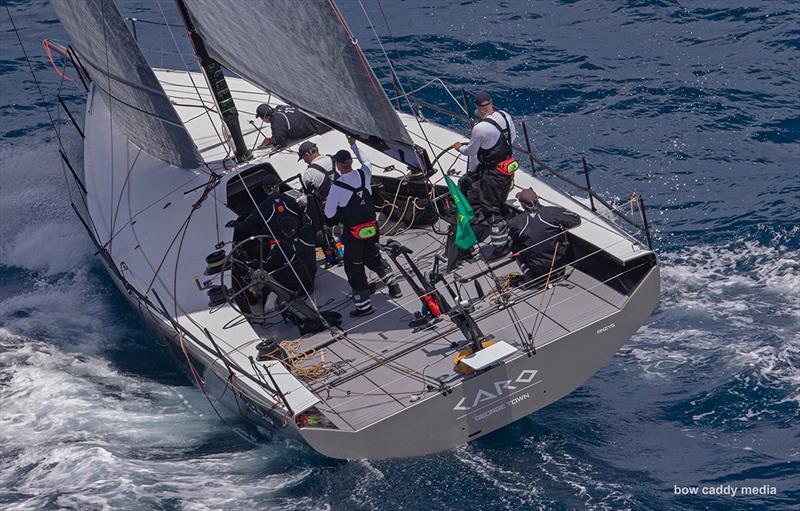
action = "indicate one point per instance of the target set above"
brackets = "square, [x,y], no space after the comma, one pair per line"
[379,366]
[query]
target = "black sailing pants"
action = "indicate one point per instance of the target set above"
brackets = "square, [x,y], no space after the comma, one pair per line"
[486,190]
[359,254]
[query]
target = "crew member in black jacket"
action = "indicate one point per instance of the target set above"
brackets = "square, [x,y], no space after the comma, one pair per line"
[282,214]
[287,124]
[287,226]
[535,233]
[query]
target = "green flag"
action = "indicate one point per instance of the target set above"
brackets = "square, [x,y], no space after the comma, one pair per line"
[465,236]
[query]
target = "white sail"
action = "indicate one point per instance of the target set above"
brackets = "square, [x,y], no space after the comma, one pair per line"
[121,73]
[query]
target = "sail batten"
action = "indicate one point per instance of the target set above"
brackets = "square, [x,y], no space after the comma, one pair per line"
[122,75]
[304,53]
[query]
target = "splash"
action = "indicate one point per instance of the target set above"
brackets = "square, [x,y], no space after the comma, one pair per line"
[732,309]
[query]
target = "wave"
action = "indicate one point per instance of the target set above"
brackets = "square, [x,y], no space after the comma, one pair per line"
[730,309]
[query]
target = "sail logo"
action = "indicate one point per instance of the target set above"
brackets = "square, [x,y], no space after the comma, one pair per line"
[500,389]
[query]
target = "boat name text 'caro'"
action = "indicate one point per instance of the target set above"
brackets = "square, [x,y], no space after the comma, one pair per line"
[500,388]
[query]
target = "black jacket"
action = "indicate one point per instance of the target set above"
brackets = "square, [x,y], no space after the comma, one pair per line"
[530,229]
[281,212]
[288,123]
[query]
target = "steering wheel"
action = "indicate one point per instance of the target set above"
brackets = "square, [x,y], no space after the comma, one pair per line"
[248,277]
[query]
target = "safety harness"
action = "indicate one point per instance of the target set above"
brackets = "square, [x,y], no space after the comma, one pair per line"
[358,208]
[499,155]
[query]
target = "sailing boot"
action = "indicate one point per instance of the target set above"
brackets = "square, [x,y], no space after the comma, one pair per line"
[499,237]
[390,279]
[363,304]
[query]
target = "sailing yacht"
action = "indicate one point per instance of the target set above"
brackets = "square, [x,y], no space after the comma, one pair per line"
[170,158]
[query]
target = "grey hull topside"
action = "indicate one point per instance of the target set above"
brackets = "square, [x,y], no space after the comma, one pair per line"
[505,393]
[381,397]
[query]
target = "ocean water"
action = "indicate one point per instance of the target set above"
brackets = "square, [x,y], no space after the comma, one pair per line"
[692,104]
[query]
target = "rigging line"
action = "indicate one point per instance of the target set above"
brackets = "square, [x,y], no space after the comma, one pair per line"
[58,133]
[399,83]
[169,248]
[122,190]
[61,85]
[154,203]
[216,213]
[387,384]
[571,150]
[412,299]
[589,220]
[109,75]
[389,30]
[110,114]
[395,366]
[444,86]
[189,73]
[198,380]
[428,84]
[375,384]
[403,339]
[537,324]
[134,107]
[238,91]
[521,332]
[33,74]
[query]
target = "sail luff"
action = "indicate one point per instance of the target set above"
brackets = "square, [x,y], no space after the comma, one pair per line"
[217,85]
[136,99]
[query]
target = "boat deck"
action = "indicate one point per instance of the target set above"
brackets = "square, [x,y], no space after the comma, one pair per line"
[378,365]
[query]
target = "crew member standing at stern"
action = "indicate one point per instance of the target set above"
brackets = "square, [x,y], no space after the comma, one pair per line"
[491,166]
[350,203]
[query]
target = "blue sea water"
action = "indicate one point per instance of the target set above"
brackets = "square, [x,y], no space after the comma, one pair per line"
[692,104]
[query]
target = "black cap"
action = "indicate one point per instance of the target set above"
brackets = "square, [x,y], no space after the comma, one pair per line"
[482,98]
[305,147]
[264,110]
[270,180]
[527,197]
[343,156]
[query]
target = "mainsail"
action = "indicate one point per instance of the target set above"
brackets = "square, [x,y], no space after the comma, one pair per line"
[130,88]
[304,53]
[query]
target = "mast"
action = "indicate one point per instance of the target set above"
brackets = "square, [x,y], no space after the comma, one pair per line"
[218,86]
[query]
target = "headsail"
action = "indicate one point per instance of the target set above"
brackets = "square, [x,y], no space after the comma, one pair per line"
[304,53]
[130,88]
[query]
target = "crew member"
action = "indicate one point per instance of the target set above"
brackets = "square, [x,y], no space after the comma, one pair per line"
[490,166]
[288,253]
[317,179]
[537,234]
[321,171]
[282,214]
[350,203]
[287,123]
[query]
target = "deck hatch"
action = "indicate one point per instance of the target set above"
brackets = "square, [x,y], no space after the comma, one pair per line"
[488,356]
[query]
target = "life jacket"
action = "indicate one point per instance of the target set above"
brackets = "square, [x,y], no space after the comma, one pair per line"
[330,176]
[282,219]
[358,215]
[500,155]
